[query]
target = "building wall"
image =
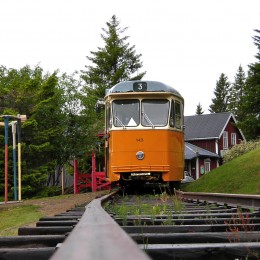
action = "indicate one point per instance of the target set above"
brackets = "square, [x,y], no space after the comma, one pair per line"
[205,144]
[191,166]
[210,144]
[230,128]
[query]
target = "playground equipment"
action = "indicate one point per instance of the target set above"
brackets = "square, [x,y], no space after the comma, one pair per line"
[16,123]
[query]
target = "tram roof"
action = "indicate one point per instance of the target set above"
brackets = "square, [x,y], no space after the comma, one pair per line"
[141,86]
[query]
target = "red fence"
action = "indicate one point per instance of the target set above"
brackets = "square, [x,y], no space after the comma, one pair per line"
[94,180]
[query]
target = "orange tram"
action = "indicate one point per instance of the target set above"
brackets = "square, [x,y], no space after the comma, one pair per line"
[144,133]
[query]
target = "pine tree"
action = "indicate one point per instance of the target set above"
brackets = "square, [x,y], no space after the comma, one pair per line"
[237,93]
[222,92]
[199,110]
[250,123]
[116,61]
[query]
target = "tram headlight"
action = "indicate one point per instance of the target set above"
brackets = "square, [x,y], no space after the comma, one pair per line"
[140,155]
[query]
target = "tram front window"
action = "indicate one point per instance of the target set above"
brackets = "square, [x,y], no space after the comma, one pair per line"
[126,113]
[155,112]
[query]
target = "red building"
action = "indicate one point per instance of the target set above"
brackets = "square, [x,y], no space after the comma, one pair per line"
[212,135]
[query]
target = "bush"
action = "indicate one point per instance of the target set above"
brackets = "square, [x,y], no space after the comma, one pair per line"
[240,149]
[49,192]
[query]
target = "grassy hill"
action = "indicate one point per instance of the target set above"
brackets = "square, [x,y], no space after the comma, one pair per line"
[239,176]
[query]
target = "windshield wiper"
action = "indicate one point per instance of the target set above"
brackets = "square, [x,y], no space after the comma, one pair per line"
[148,120]
[119,121]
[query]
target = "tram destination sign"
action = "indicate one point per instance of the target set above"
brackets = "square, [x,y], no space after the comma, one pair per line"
[140,86]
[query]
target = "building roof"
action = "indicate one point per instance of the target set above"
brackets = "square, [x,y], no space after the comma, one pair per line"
[193,151]
[206,126]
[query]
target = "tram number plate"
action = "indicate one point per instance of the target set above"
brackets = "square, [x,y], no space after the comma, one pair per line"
[140,173]
[140,86]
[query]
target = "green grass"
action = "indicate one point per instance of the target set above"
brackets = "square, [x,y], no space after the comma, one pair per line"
[239,176]
[11,218]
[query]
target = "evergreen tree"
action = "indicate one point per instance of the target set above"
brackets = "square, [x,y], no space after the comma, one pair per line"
[199,110]
[45,151]
[31,92]
[237,93]
[250,123]
[116,61]
[18,89]
[222,91]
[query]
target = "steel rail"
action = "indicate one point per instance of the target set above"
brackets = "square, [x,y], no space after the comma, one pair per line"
[246,201]
[98,236]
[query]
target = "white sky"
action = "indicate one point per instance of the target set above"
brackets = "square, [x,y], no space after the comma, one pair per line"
[184,43]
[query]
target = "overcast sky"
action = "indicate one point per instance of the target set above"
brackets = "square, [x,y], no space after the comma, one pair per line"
[184,43]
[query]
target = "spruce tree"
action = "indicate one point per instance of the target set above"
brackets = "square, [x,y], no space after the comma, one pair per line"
[199,110]
[237,93]
[250,123]
[116,61]
[222,91]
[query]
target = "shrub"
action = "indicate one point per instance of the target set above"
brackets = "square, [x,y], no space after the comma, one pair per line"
[49,192]
[240,149]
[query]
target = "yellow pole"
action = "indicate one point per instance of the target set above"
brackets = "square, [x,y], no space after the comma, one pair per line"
[19,159]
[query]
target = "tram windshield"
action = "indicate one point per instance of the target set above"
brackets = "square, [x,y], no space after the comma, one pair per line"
[155,112]
[126,113]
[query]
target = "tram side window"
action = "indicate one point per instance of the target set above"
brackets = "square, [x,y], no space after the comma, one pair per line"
[172,114]
[108,117]
[126,113]
[176,115]
[155,112]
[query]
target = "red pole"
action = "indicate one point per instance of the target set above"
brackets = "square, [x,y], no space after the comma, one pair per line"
[6,158]
[94,180]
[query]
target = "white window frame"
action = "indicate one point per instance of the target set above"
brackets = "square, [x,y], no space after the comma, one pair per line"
[225,140]
[233,138]
[207,165]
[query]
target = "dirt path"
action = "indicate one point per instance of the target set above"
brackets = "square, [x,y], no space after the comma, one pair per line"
[54,205]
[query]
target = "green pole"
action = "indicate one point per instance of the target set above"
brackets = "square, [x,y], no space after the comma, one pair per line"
[19,159]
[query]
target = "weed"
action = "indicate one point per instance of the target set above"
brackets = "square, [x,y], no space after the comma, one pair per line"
[239,222]
[178,204]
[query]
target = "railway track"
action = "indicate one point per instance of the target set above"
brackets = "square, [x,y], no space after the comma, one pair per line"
[185,226]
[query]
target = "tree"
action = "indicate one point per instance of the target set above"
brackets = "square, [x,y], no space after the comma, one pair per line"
[250,123]
[237,93]
[38,95]
[221,100]
[46,149]
[116,61]
[199,110]
[18,90]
